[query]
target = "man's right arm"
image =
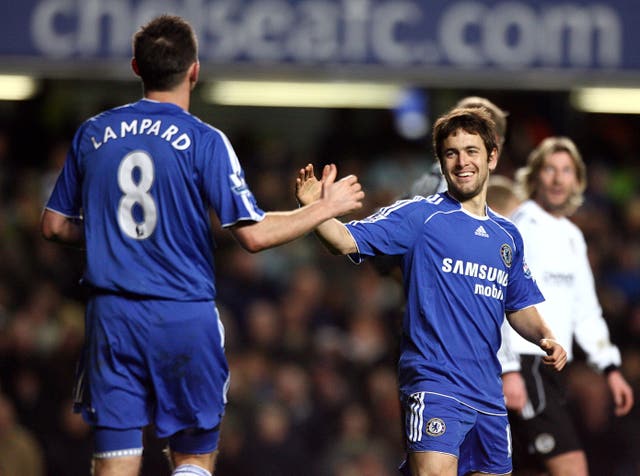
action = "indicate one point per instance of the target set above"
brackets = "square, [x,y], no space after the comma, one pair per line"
[337,198]
[332,233]
[278,228]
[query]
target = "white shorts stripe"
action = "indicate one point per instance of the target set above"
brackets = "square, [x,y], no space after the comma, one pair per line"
[416,411]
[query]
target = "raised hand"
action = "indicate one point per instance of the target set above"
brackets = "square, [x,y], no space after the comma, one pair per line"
[308,187]
[344,196]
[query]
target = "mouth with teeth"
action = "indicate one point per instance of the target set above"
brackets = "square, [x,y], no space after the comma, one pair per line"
[464,175]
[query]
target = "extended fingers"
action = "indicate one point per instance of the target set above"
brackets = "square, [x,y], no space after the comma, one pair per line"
[329,173]
[349,179]
[308,172]
[305,173]
[352,182]
[302,175]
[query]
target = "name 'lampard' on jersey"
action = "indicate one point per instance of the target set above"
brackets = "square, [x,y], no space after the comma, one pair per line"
[144,126]
[475,270]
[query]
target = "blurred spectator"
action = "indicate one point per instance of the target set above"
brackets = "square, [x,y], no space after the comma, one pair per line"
[233,441]
[273,448]
[501,197]
[355,450]
[264,326]
[20,452]
[69,451]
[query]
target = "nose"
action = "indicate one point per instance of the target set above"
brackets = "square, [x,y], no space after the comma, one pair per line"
[461,159]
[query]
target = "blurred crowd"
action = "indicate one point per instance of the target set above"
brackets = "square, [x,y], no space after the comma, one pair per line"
[311,338]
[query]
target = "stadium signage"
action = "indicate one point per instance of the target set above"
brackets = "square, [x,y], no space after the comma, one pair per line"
[467,34]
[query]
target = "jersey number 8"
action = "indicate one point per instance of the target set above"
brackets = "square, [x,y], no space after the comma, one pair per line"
[136,192]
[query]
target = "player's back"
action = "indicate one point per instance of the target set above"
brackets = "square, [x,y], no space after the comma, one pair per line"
[143,169]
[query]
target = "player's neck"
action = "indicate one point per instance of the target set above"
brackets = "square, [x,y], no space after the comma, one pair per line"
[556,212]
[180,96]
[476,205]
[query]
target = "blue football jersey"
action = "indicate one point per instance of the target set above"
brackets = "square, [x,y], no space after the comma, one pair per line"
[143,177]
[461,272]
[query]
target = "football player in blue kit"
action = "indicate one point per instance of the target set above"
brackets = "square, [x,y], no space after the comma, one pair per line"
[463,270]
[135,191]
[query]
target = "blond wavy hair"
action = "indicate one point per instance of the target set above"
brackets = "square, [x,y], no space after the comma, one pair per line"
[527,177]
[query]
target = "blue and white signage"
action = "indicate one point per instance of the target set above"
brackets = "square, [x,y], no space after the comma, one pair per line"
[598,35]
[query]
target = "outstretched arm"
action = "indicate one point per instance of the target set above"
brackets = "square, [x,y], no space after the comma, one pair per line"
[337,198]
[529,324]
[332,233]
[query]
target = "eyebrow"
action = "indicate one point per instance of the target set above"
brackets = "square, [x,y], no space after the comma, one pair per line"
[457,149]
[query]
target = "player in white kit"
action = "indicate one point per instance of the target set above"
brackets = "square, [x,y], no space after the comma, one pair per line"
[553,183]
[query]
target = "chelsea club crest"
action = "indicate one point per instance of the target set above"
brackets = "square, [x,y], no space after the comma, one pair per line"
[436,427]
[506,254]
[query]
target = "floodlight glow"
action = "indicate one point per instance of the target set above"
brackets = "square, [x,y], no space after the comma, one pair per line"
[17,87]
[303,94]
[607,100]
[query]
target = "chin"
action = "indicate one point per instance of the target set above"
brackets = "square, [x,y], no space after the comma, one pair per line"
[462,195]
[555,208]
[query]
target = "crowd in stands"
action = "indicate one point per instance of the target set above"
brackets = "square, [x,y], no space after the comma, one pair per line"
[311,344]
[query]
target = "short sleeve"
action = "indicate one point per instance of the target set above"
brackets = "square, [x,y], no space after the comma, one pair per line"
[391,231]
[223,182]
[522,290]
[66,197]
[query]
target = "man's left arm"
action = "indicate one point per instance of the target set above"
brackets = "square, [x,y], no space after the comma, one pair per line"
[529,324]
[592,335]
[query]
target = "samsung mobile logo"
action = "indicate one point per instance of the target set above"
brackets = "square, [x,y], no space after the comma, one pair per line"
[475,270]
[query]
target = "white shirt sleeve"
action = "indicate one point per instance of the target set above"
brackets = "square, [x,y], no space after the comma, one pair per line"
[509,360]
[590,328]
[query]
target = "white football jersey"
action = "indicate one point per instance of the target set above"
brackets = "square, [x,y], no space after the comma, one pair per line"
[556,252]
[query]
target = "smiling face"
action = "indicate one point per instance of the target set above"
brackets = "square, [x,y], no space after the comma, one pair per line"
[466,165]
[557,182]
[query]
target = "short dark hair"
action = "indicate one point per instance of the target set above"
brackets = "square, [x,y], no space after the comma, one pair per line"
[164,49]
[471,120]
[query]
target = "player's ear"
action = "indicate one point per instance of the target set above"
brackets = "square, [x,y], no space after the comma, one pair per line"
[134,66]
[493,159]
[194,73]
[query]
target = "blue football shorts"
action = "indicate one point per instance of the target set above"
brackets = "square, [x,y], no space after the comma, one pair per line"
[152,361]
[480,441]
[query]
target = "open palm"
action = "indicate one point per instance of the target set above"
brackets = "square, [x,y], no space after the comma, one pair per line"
[308,187]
